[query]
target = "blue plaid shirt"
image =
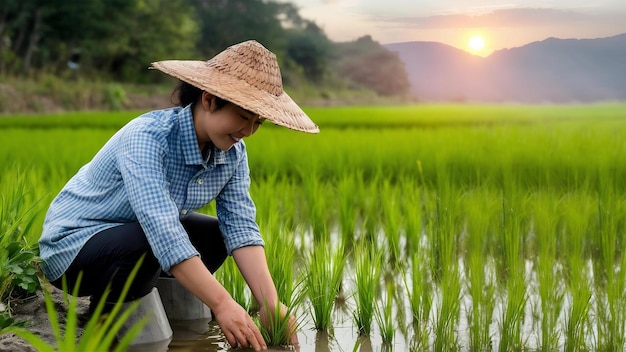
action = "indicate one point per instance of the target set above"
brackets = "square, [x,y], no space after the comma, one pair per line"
[151,171]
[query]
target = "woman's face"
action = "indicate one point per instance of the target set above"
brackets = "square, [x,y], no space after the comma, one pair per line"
[225,126]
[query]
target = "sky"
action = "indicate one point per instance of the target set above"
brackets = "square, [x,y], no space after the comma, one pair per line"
[495,24]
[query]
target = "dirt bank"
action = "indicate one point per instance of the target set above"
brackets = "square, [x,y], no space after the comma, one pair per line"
[32,310]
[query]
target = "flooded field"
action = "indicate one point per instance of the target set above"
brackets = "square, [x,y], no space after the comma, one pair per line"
[425,228]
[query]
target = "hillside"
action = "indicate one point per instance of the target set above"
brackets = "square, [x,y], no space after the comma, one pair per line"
[553,70]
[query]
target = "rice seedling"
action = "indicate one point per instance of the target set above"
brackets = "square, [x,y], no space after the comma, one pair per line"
[512,238]
[279,326]
[577,212]
[350,187]
[609,273]
[275,207]
[392,221]
[443,230]
[411,208]
[481,287]
[550,288]
[384,316]
[325,263]
[443,237]
[368,261]
[280,250]
[420,291]
[372,213]
[317,209]
[448,311]
[577,319]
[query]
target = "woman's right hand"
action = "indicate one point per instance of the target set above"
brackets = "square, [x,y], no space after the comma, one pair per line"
[238,326]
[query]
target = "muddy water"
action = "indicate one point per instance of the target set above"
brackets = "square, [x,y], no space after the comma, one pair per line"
[205,335]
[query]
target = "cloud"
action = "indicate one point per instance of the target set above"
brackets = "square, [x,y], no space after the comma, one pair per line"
[519,17]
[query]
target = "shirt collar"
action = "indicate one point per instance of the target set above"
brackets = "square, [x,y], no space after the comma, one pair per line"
[219,156]
[189,140]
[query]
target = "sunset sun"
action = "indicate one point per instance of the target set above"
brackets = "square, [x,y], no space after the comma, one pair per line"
[476,43]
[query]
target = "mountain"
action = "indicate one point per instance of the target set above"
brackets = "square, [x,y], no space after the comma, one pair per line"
[550,71]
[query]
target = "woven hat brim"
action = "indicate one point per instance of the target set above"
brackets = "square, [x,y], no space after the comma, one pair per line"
[281,109]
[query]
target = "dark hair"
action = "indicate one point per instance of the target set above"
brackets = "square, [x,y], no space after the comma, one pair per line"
[185,94]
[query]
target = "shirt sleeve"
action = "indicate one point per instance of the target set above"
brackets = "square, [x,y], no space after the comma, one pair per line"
[236,211]
[141,160]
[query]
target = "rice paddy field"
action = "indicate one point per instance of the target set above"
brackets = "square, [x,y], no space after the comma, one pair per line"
[421,228]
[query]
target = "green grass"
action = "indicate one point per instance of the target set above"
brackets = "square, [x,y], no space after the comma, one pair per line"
[112,331]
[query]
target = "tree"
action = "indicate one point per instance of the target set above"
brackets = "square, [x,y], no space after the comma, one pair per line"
[154,30]
[310,49]
[368,64]
[227,22]
[117,37]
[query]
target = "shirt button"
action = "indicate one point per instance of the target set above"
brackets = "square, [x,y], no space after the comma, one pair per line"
[184,211]
[199,181]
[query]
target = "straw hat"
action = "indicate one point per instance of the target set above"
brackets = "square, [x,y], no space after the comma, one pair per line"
[245,74]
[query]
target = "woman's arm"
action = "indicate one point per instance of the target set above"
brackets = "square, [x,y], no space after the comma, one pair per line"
[234,321]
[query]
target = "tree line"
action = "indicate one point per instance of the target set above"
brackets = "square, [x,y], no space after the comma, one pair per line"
[117,39]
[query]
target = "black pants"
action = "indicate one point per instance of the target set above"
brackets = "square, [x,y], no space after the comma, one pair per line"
[110,256]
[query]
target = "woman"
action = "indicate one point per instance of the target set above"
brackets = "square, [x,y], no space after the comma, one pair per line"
[138,194]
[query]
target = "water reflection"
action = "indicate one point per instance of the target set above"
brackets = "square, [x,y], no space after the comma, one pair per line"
[197,335]
[205,335]
[322,342]
[365,344]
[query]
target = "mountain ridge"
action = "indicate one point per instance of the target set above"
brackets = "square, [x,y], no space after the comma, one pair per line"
[552,70]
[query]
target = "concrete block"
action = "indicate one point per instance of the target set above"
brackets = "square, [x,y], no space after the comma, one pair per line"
[179,303]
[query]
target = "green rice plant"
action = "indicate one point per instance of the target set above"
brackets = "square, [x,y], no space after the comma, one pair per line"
[512,316]
[392,219]
[280,251]
[550,289]
[317,208]
[368,262]
[444,228]
[371,212]
[232,280]
[609,269]
[100,334]
[420,295]
[325,264]
[279,328]
[274,198]
[513,234]
[577,212]
[384,316]
[447,318]
[444,237]
[481,287]
[411,208]
[349,196]
[577,318]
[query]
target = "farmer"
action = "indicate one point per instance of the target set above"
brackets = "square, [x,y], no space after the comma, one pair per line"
[138,194]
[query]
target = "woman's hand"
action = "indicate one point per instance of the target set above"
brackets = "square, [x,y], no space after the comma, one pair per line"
[237,326]
[267,313]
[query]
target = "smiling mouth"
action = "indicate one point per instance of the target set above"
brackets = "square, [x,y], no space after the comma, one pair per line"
[235,138]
